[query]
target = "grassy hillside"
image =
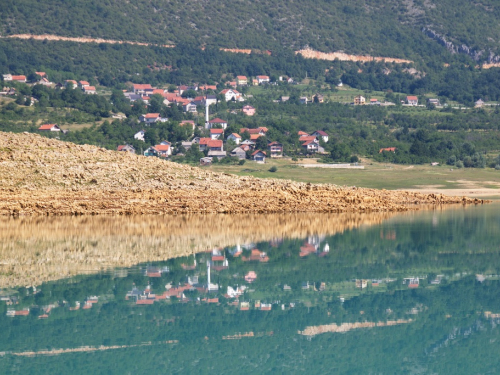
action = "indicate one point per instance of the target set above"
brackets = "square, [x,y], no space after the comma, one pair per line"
[390,28]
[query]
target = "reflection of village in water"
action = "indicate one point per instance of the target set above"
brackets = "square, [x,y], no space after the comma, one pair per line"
[201,273]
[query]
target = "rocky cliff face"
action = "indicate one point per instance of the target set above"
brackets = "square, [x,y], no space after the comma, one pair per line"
[477,55]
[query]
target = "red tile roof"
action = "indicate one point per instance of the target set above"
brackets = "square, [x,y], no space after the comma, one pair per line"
[84,83]
[142,87]
[19,78]
[89,88]
[145,302]
[309,142]
[217,121]
[257,151]
[46,127]
[151,115]
[216,131]
[236,135]
[307,138]
[162,147]
[215,143]
[411,98]
[204,141]
[391,149]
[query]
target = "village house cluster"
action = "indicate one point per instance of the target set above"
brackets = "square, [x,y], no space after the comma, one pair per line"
[213,144]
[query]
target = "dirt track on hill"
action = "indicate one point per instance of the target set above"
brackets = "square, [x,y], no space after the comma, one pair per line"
[45,176]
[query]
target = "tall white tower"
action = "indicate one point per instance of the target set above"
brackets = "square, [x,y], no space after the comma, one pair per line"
[207,118]
[208,274]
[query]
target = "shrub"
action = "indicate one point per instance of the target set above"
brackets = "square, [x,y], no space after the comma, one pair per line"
[497,167]
[459,164]
[242,162]
[273,169]
[354,159]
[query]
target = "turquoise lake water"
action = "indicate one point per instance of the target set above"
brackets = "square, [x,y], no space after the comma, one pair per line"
[413,294]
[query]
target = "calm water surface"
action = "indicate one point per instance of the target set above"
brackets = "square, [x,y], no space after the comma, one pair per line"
[415,293]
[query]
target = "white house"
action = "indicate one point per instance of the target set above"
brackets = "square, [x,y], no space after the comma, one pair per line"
[50,127]
[150,118]
[217,121]
[140,135]
[189,107]
[321,134]
[231,94]
[236,138]
[216,133]
[263,79]
[143,89]
[412,100]
[90,90]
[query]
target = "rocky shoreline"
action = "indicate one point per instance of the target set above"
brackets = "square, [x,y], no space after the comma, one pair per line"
[42,176]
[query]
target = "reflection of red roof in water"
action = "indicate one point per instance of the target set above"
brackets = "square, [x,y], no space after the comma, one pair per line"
[251,276]
[257,255]
[307,249]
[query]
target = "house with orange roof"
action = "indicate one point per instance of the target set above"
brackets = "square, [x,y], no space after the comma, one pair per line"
[307,138]
[387,149]
[208,87]
[126,148]
[412,100]
[256,255]
[301,133]
[259,131]
[312,146]
[163,150]
[21,78]
[142,89]
[262,79]
[82,84]
[150,118]
[216,133]
[41,74]
[242,80]
[50,127]
[90,90]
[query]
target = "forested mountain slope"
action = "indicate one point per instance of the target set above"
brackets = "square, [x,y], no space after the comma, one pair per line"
[394,28]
